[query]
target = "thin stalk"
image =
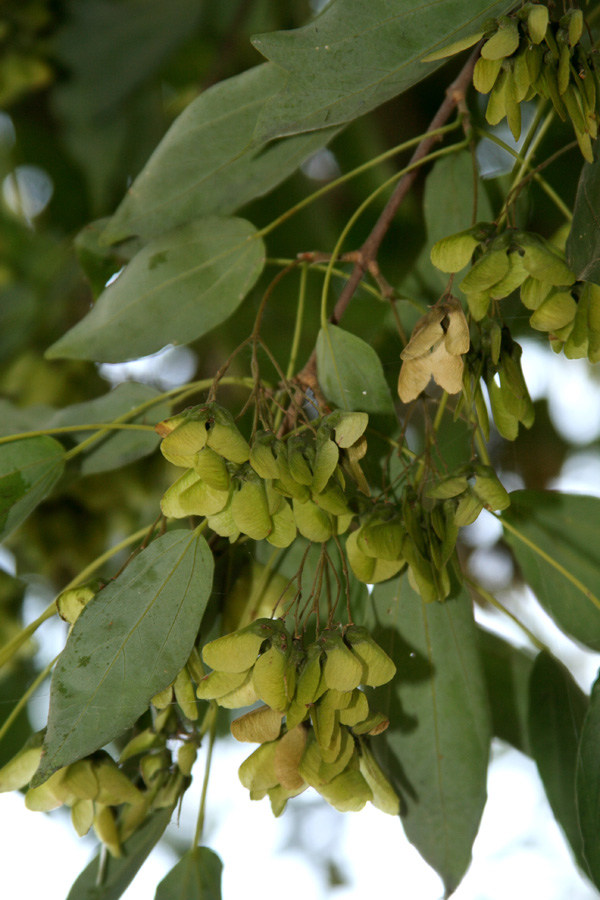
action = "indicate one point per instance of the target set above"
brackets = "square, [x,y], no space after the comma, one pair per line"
[28,693]
[481,447]
[549,559]
[65,429]
[489,598]
[406,145]
[211,743]
[322,267]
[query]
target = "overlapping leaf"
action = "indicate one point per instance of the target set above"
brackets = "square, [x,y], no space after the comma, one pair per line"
[118,873]
[28,471]
[176,289]
[128,644]
[507,673]
[437,746]
[557,708]
[197,876]
[583,243]
[115,448]
[556,540]
[356,55]
[587,785]
[350,372]
[207,163]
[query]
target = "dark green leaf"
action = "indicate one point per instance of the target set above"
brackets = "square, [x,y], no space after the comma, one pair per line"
[128,644]
[557,708]
[587,786]
[117,448]
[197,876]
[28,471]
[18,308]
[98,261]
[118,873]
[176,289]
[356,55]
[437,746]
[583,243]
[350,372]
[207,163]
[558,549]
[507,673]
[19,419]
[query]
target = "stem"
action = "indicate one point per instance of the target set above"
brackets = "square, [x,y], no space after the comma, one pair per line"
[406,145]
[211,743]
[65,429]
[9,649]
[481,447]
[321,267]
[489,598]
[295,340]
[552,562]
[22,702]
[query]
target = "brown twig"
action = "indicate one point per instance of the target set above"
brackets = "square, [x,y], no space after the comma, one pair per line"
[366,257]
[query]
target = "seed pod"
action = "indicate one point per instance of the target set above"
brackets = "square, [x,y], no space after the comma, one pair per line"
[223,435]
[347,792]
[286,484]
[485,74]
[185,695]
[300,453]
[313,523]
[183,436]
[577,344]
[262,456]
[549,78]
[257,726]
[288,754]
[283,527]
[342,670]
[141,743]
[82,816]
[564,66]
[574,25]
[453,253]
[420,573]
[455,47]
[186,757]
[244,695]
[47,796]
[367,569]
[348,426]
[496,107]
[279,797]
[71,602]
[238,651]
[154,768]
[534,57]
[326,457]
[250,508]
[326,725]
[377,667]
[489,488]
[488,271]
[80,779]
[543,262]
[572,101]
[131,818]
[534,292]
[170,792]
[468,509]
[537,22]
[554,313]
[382,539]
[19,770]
[384,795]
[356,711]
[190,496]
[504,42]
[332,499]
[451,486]
[114,787]
[106,830]
[522,80]
[505,420]
[513,109]
[257,773]
[217,684]
[268,678]
[223,523]
[375,724]
[514,278]
[212,469]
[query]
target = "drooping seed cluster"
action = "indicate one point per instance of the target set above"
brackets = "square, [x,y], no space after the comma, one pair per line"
[526,55]
[314,716]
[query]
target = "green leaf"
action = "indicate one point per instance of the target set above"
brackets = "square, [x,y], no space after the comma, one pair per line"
[587,786]
[356,55]
[118,873]
[583,243]
[557,708]
[128,644]
[197,876]
[29,469]
[437,746]
[507,674]
[350,372]
[556,541]
[18,419]
[177,288]
[98,261]
[118,448]
[208,164]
